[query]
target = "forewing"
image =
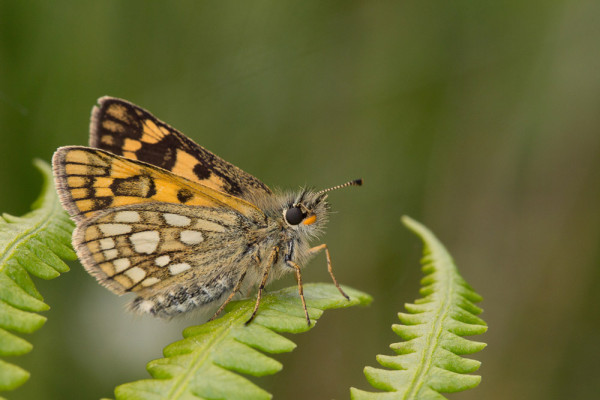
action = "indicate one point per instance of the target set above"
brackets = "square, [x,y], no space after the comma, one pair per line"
[132,132]
[155,245]
[90,180]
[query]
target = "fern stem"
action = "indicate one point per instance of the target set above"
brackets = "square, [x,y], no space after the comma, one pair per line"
[435,334]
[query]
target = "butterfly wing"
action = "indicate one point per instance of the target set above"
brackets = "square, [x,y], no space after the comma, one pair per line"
[90,180]
[174,242]
[125,129]
[171,255]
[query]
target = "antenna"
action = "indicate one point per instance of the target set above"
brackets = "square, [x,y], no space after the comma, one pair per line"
[355,182]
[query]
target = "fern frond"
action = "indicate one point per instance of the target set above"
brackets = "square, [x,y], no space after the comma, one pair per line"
[31,244]
[206,364]
[428,360]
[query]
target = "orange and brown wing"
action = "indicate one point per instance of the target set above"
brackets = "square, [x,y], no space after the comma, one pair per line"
[91,180]
[127,130]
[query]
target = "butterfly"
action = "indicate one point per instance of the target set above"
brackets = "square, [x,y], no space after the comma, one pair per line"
[160,216]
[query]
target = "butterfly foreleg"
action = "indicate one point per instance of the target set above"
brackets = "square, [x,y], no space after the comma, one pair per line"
[300,287]
[263,282]
[317,249]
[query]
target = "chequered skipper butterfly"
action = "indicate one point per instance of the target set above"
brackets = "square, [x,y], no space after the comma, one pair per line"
[163,217]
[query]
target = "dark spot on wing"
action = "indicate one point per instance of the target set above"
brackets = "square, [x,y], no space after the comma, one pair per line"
[102,202]
[202,171]
[184,195]
[136,186]
[163,153]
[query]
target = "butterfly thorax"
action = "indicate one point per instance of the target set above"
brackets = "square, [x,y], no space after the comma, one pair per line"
[293,219]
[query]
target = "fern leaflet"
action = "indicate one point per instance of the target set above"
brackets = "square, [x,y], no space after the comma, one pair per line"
[206,364]
[428,361]
[31,244]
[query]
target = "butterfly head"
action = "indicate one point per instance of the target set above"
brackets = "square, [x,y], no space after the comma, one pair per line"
[308,210]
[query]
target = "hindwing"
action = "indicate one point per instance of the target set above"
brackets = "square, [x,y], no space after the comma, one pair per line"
[132,248]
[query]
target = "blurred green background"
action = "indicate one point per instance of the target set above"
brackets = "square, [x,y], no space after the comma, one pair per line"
[479,118]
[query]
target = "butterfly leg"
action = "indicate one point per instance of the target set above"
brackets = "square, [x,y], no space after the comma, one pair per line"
[300,287]
[271,261]
[233,292]
[323,246]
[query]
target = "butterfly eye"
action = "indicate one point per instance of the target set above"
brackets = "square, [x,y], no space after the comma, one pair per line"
[294,216]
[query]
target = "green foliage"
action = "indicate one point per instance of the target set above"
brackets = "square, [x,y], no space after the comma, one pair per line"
[206,364]
[31,244]
[428,361]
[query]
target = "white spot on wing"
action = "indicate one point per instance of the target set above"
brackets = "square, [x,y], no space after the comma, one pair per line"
[162,260]
[114,229]
[191,237]
[145,242]
[209,226]
[121,264]
[177,220]
[127,216]
[150,281]
[107,243]
[179,268]
[110,254]
[136,274]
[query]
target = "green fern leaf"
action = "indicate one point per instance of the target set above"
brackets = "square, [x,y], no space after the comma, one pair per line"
[428,361]
[32,244]
[206,364]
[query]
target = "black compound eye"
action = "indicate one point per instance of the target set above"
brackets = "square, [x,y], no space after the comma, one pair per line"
[294,216]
